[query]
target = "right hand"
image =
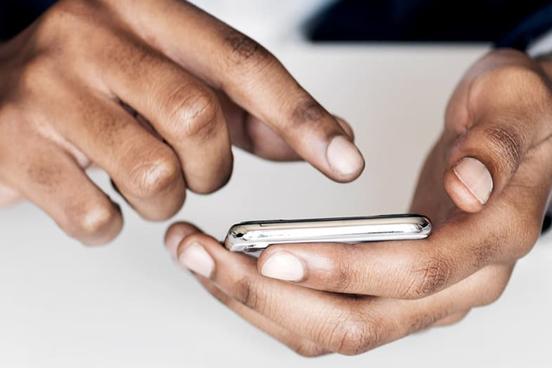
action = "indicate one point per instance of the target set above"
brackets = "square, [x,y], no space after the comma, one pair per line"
[350,298]
[154,92]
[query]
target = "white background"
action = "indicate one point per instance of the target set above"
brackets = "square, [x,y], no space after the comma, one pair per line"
[128,305]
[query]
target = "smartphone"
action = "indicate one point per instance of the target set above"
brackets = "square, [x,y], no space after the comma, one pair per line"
[254,236]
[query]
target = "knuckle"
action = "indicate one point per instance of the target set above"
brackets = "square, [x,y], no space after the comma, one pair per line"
[511,74]
[153,178]
[35,73]
[245,51]
[246,292]
[422,321]
[506,145]
[342,276]
[91,220]
[524,78]
[355,334]
[53,19]
[431,276]
[311,114]
[341,279]
[485,251]
[61,20]
[192,113]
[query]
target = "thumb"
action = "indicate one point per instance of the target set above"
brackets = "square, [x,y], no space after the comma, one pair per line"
[504,113]
[483,161]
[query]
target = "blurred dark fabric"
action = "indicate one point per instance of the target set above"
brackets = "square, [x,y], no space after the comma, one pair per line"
[15,15]
[547,222]
[512,23]
[432,21]
[529,30]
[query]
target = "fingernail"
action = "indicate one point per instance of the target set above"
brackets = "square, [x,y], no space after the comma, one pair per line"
[196,258]
[284,266]
[475,177]
[172,242]
[344,157]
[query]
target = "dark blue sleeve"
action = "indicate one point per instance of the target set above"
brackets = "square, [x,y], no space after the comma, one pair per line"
[529,30]
[507,23]
[15,15]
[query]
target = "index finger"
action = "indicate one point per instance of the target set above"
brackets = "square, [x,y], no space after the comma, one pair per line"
[251,77]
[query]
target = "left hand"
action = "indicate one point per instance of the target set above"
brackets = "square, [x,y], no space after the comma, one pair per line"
[155,93]
[485,185]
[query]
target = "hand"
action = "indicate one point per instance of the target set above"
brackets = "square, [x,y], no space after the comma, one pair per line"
[485,185]
[153,92]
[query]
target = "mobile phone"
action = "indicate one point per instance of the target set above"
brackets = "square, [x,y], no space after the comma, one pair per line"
[254,236]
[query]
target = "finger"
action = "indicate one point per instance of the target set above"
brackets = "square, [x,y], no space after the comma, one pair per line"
[289,306]
[253,78]
[180,230]
[52,180]
[251,134]
[181,108]
[344,324]
[509,113]
[145,170]
[294,341]
[8,196]
[174,235]
[261,140]
[505,231]
[451,320]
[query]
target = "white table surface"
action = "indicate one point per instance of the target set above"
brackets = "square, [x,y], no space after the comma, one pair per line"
[128,305]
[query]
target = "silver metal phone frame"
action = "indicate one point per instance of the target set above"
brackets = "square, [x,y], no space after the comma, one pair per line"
[254,236]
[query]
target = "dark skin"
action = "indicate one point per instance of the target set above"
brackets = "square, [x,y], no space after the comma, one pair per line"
[154,92]
[348,299]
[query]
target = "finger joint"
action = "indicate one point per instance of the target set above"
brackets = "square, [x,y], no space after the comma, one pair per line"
[91,220]
[507,145]
[433,274]
[244,50]
[193,112]
[354,333]
[150,179]
[246,293]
